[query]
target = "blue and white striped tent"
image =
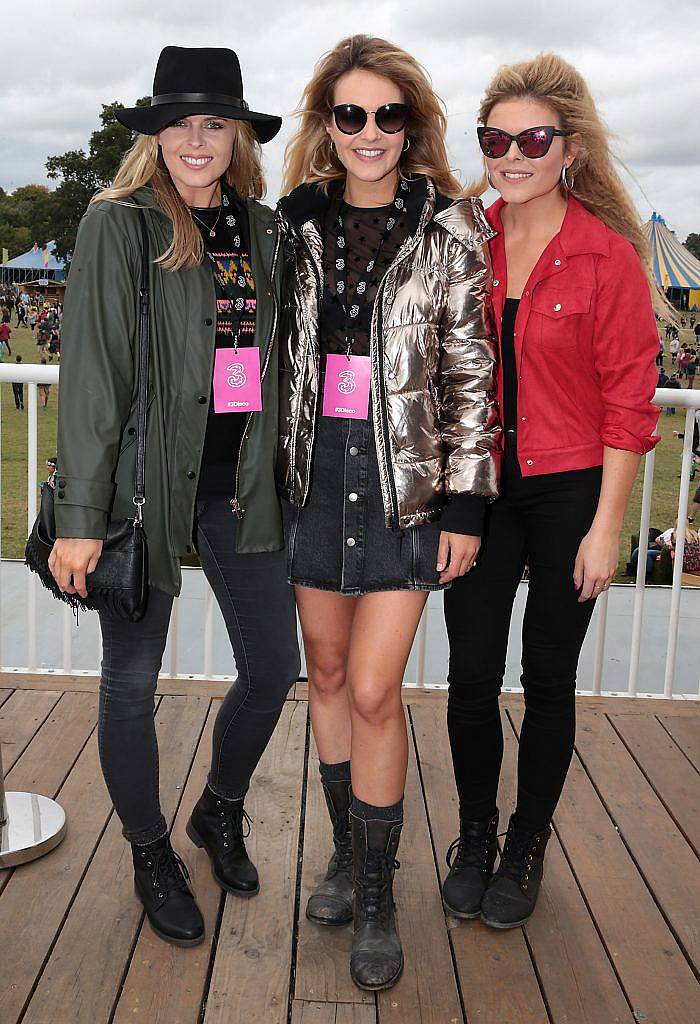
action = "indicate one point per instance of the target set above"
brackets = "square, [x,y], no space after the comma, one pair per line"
[674,267]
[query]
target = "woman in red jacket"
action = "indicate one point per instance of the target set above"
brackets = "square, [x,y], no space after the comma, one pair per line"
[573,312]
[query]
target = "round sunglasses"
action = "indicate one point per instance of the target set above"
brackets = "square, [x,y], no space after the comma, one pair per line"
[533,143]
[350,118]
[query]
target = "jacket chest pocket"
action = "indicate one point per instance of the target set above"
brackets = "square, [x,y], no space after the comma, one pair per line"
[559,313]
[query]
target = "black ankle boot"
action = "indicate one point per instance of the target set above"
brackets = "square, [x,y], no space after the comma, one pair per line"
[376,961]
[331,901]
[217,826]
[470,859]
[160,880]
[512,893]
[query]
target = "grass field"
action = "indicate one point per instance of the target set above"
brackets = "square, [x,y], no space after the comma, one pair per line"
[13,506]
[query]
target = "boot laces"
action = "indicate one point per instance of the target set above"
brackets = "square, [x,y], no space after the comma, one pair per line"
[518,851]
[374,886]
[169,871]
[236,824]
[469,852]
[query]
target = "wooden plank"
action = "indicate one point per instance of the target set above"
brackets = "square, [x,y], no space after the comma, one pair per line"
[575,973]
[427,991]
[669,772]
[4,694]
[167,685]
[323,953]
[38,895]
[497,978]
[250,979]
[21,716]
[165,983]
[646,827]
[90,957]
[652,970]
[686,733]
[304,1012]
[49,757]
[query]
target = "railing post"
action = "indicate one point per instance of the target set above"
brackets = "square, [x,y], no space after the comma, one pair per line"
[681,521]
[32,455]
[640,584]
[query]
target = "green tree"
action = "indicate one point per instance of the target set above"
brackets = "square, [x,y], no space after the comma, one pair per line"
[25,218]
[82,173]
[692,244]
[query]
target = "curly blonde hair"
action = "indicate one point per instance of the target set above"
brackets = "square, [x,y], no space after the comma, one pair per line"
[143,164]
[550,80]
[309,156]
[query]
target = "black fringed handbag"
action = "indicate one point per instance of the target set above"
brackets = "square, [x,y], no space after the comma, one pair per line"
[119,584]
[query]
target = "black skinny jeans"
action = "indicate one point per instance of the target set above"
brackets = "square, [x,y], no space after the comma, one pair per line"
[259,611]
[540,520]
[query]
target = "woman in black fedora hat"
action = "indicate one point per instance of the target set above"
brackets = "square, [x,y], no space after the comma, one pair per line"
[194,173]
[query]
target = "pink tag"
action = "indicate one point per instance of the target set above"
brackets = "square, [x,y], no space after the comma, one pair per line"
[237,380]
[346,392]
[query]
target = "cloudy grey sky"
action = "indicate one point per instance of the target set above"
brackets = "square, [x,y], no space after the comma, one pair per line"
[60,61]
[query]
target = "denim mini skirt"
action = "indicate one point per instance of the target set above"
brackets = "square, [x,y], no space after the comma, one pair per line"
[339,540]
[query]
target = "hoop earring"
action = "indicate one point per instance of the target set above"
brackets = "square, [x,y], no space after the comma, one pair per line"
[406,144]
[565,183]
[334,151]
[488,178]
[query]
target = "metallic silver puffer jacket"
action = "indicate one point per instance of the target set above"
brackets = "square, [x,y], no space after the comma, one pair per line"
[432,356]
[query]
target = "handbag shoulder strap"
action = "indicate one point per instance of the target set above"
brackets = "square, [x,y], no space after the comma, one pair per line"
[143,362]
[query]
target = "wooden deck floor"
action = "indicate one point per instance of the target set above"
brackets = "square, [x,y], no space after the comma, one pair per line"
[616,935]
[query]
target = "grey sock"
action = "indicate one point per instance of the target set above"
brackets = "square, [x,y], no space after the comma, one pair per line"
[339,772]
[368,811]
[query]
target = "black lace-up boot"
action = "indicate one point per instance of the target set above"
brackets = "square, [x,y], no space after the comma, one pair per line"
[331,901]
[160,880]
[470,859]
[376,961]
[221,827]
[512,893]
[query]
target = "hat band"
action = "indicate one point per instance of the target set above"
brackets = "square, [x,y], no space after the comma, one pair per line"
[199,97]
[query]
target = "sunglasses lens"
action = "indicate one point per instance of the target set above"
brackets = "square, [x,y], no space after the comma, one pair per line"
[392,117]
[349,118]
[494,144]
[535,143]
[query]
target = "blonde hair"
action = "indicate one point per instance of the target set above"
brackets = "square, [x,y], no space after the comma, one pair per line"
[309,156]
[550,80]
[143,164]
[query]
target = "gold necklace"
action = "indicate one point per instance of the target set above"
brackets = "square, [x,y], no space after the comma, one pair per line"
[212,229]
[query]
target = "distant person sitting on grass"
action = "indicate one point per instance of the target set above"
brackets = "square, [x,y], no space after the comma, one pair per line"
[18,390]
[655,544]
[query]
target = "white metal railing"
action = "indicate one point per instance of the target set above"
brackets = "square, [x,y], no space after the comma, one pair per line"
[419,673]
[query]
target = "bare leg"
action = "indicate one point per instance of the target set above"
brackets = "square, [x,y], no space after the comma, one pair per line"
[326,624]
[383,630]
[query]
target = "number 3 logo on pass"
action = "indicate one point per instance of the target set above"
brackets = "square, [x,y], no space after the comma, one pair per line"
[237,386]
[346,391]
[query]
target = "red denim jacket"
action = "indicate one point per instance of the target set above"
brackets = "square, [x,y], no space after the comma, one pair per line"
[585,346]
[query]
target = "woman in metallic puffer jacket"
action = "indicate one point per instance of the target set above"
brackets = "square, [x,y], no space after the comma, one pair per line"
[388,439]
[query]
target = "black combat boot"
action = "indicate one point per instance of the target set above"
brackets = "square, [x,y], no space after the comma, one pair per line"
[376,961]
[470,859]
[331,901]
[217,826]
[160,880]
[512,893]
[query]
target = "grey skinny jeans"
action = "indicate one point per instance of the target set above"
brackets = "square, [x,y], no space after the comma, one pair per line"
[259,611]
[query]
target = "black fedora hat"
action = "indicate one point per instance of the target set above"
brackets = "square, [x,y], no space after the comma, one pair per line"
[197,80]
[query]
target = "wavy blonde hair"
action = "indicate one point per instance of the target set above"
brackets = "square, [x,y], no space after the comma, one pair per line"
[143,164]
[550,80]
[309,156]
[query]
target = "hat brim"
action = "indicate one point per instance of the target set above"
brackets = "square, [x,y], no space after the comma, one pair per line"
[152,120]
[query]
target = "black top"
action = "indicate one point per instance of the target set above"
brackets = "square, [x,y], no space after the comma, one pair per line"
[363,232]
[228,253]
[510,370]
